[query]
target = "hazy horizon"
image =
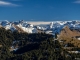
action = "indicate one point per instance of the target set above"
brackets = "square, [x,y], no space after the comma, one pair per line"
[38,20]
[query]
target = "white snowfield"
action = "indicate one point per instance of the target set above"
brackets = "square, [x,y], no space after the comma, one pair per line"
[28,29]
[31,27]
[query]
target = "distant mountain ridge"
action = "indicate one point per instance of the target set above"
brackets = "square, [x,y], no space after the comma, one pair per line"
[24,26]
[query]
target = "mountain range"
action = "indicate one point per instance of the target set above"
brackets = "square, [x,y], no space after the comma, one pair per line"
[52,27]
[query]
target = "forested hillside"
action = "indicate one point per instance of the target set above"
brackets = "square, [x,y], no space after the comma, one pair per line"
[38,46]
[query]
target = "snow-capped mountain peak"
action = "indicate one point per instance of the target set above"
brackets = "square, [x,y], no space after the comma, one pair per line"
[54,26]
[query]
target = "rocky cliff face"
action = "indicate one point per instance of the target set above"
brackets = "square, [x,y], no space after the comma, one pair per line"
[67,33]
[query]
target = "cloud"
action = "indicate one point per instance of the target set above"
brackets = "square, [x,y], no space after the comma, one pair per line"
[77,1]
[4,3]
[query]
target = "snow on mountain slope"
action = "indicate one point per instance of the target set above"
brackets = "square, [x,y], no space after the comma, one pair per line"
[27,28]
[55,26]
[10,26]
[7,25]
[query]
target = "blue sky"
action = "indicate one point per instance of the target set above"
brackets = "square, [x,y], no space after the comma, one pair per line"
[39,10]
